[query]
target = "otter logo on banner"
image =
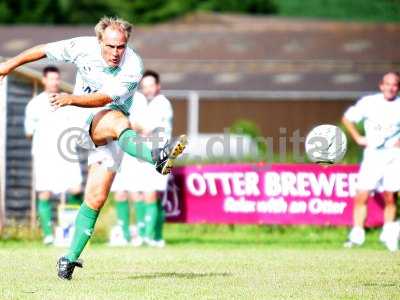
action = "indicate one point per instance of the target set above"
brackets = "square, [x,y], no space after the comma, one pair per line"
[170,200]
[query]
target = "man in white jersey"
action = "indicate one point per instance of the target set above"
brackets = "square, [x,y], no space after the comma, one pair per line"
[52,173]
[128,177]
[108,74]
[381,160]
[153,114]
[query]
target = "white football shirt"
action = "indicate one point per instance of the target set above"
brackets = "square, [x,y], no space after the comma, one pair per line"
[39,121]
[46,125]
[94,75]
[153,115]
[381,119]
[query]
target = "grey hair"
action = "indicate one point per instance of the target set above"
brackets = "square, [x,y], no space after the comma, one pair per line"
[114,22]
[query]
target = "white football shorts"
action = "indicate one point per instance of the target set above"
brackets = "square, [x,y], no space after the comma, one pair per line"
[109,155]
[138,176]
[55,174]
[380,170]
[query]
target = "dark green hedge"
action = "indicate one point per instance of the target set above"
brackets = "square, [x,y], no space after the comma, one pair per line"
[153,11]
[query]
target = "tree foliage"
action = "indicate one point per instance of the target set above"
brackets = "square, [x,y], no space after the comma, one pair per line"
[137,11]
[153,11]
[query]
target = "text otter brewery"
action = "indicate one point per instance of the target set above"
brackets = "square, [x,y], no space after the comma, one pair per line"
[268,194]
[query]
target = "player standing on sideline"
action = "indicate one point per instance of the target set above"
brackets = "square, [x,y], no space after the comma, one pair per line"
[125,183]
[108,74]
[153,114]
[381,160]
[53,174]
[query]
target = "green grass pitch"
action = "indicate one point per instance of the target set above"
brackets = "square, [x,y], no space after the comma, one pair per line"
[279,264]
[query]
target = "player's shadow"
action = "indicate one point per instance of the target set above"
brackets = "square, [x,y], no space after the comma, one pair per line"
[188,275]
[379,284]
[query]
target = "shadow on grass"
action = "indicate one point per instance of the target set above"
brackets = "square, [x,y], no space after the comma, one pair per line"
[378,284]
[273,242]
[249,242]
[177,275]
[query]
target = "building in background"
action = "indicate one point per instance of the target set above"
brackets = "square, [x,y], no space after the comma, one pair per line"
[266,70]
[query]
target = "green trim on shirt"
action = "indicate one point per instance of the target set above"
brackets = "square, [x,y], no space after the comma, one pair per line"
[49,56]
[132,86]
[124,107]
[90,119]
[112,70]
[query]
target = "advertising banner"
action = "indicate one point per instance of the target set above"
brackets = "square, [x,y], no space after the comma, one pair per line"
[287,194]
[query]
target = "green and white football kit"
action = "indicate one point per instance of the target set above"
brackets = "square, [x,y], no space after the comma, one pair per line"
[94,75]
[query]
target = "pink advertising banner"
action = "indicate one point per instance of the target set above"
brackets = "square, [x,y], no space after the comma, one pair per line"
[266,194]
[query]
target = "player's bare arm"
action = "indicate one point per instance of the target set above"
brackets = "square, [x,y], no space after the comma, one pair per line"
[30,55]
[89,100]
[355,134]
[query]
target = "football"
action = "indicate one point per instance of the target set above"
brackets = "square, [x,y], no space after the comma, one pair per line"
[326,144]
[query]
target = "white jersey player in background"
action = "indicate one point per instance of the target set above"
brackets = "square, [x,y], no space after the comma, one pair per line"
[152,115]
[52,173]
[381,159]
[108,73]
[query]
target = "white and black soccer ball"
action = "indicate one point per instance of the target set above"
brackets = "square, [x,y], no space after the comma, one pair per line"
[326,144]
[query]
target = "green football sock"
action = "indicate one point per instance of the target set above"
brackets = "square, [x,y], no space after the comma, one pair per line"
[123,217]
[75,199]
[150,220]
[44,211]
[84,225]
[158,232]
[140,210]
[131,143]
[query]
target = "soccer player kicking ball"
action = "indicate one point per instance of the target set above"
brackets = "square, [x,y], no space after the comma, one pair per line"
[108,74]
[381,160]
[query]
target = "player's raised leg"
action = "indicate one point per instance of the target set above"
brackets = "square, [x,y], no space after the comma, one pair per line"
[97,188]
[112,124]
